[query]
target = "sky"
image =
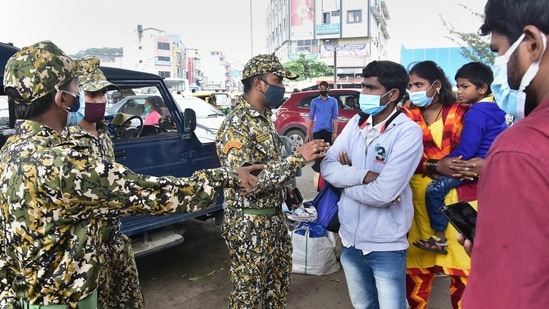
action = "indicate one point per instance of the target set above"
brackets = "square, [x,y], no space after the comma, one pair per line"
[208,24]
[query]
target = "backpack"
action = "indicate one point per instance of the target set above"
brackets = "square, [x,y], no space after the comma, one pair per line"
[325,203]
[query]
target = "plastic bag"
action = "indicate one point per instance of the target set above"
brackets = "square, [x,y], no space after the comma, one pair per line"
[313,255]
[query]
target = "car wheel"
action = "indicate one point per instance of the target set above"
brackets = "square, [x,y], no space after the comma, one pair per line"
[297,137]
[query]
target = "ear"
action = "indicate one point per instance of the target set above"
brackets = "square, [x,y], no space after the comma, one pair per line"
[393,95]
[483,89]
[59,99]
[534,42]
[438,86]
[257,83]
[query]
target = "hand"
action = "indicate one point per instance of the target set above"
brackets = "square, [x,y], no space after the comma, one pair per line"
[314,149]
[466,243]
[307,138]
[397,200]
[334,136]
[467,170]
[247,180]
[443,167]
[343,158]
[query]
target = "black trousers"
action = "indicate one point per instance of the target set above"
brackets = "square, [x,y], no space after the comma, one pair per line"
[327,137]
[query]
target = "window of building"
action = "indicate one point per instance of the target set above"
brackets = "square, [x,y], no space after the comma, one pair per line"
[162,58]
[326,17]
[335,13]
[163,46]
[354,16]
[164,74]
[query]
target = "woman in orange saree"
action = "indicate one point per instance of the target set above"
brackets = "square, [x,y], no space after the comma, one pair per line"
[441,118]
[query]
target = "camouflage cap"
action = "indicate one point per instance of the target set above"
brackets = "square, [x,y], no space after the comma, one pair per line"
[264,64]
[35,70]
[91,77]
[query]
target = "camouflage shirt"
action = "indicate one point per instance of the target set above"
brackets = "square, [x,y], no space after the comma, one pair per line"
[51,194]
[99,146]
[246,136]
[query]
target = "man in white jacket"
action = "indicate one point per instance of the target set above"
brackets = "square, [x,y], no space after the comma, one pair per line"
[373,160]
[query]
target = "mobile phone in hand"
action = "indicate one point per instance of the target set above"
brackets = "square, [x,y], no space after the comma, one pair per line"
[463,217]
[296,200]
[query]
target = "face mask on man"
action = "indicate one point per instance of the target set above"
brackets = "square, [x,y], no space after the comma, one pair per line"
[274,94]
[420,98]
[369,103]
[74,117]
[94,112]
[513,101]
[324,93]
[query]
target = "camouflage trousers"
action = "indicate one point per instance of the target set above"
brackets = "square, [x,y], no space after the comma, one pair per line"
[260,249]
[118,278]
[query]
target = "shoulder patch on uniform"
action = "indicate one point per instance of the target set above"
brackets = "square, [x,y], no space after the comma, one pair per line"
[262,137]
[231,144]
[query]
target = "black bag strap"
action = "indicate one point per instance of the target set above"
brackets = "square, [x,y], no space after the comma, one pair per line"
[364,116]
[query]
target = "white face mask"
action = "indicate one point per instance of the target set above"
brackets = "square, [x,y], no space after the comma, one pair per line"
[513,101]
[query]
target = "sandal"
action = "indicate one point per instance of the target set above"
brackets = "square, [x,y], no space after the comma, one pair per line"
[433,244]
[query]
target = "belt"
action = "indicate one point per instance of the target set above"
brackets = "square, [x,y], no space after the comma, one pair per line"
[269,211]
[108,233]
[89,302]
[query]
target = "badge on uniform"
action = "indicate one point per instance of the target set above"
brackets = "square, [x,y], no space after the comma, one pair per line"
[262,137]
[232,144]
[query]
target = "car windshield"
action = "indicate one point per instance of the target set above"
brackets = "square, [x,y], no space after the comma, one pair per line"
[4,111]
[201,108]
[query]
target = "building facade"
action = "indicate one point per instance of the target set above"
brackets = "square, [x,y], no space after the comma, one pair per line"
[345,34]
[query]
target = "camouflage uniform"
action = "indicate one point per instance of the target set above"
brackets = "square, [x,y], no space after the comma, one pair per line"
[53,195]
[118,277]
[259,245]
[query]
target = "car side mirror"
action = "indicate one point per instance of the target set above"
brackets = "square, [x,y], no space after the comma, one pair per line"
[189,120]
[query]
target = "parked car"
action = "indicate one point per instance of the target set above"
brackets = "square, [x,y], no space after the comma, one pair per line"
[208,118]
[220,100]
[290,119]
[174,151]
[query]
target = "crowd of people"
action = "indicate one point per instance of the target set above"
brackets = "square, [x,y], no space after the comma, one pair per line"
[62,193]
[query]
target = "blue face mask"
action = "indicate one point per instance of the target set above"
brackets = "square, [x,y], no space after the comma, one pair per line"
[274,94]
[75,117]
[420,98]
[369,103]
[509,100]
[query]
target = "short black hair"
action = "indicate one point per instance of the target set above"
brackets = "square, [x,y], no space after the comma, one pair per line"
[477,73]
[324,83]
[390,74]
[509,17]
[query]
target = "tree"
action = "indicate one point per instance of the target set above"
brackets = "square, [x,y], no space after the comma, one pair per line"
[308,68]
[473,46]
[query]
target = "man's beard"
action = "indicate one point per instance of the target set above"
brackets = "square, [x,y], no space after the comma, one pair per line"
[515,75]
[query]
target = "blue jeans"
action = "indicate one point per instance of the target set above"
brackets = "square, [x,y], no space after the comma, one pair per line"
[376,280]
[434,200]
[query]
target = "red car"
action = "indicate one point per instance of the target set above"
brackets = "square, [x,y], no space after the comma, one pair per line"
[291,117]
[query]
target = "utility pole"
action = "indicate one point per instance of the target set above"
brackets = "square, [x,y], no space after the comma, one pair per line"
[333,43]
[335,66]
[251,31]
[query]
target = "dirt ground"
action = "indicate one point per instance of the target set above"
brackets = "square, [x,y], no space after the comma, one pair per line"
[195,274]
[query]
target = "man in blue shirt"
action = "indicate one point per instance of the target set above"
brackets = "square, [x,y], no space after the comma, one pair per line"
[322,122]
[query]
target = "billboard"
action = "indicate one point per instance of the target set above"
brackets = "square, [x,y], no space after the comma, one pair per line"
[352,54]
[301,19]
